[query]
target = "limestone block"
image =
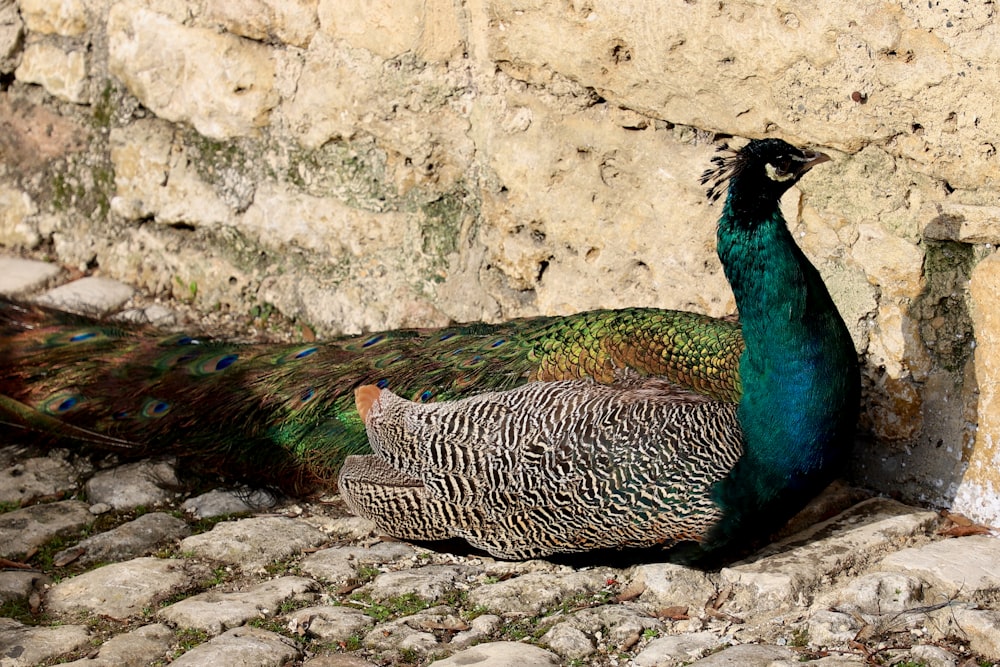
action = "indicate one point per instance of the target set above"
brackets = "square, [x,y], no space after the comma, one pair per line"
[428,28]
[344,93]
[16,207]
[291,21]
[11,35]
[587,211]
[220,83]
[57,17]
[62,73]
[892,263]
[154,177]
[978,494]
[748,68]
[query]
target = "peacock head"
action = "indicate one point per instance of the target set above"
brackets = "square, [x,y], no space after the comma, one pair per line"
[759,173]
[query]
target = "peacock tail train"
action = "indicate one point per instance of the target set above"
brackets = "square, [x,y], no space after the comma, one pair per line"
[283,414]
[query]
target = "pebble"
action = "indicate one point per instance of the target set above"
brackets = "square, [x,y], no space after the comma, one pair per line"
[92,295]
[319,588]
[20,276]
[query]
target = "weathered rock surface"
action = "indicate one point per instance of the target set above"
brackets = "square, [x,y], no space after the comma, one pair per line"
[123,590]
[293,588]
[25,530]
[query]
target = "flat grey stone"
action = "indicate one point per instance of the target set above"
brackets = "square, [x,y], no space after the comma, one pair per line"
[347,527]
[123,590]
[430,582]
[138,648]
[668,584]
[676,649]
[244,646]
[216,611]
[789,573]
[831,628]
[21,276]
[338,564]
[330,623]
[970,565]
[536,592]
[36,478]
[828,661]
[407,632]
[879,593]
[501,654]
[254,542]
[26,529]
[746,655]
[140,484]
[569,642]
[981,627]
[129,540]
[342,660]
[28,646]
[480,628]
[220,502]
[91,296]
[618,624]
[154,314]
[933,656]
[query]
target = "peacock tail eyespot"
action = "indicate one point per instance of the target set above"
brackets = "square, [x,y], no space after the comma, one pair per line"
[302,354]
[374,340]
[154,408]
[307,395]
[383,383]
[214,364]
[80,337]
[61,403]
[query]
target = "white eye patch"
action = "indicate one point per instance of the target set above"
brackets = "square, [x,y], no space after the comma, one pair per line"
[775,175]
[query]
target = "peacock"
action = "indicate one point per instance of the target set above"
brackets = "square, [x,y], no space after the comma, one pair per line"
[768,403]
[555,467]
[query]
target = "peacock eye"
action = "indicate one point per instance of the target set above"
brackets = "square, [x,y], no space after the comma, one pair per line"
[780,169]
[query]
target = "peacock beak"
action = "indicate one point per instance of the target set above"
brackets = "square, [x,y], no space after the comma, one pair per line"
[813,158]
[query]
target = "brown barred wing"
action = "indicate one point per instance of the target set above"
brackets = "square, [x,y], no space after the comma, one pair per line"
[545,468]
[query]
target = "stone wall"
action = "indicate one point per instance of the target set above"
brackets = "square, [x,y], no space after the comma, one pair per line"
[363,164]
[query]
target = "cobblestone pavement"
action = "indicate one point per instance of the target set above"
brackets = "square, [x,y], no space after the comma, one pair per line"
[108,563]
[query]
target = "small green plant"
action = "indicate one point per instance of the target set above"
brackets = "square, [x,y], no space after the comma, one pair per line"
[409,655]
[188,638]
[650,633]
[368,572]
[403,605]
[800,637]
[9,506]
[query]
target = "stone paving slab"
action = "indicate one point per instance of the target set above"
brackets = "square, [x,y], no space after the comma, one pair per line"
[967,564]
[132,485]
[124,590]
[129,540]
[21,276]
[789,574]
[334,624]
[143,646]
[29,646]
[92,295]
[215,611]
[253,543]
[502,654]
[338,564]
[23,531]
[244,646]
[37,478]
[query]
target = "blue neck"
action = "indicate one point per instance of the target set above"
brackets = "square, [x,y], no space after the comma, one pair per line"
[799,370]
